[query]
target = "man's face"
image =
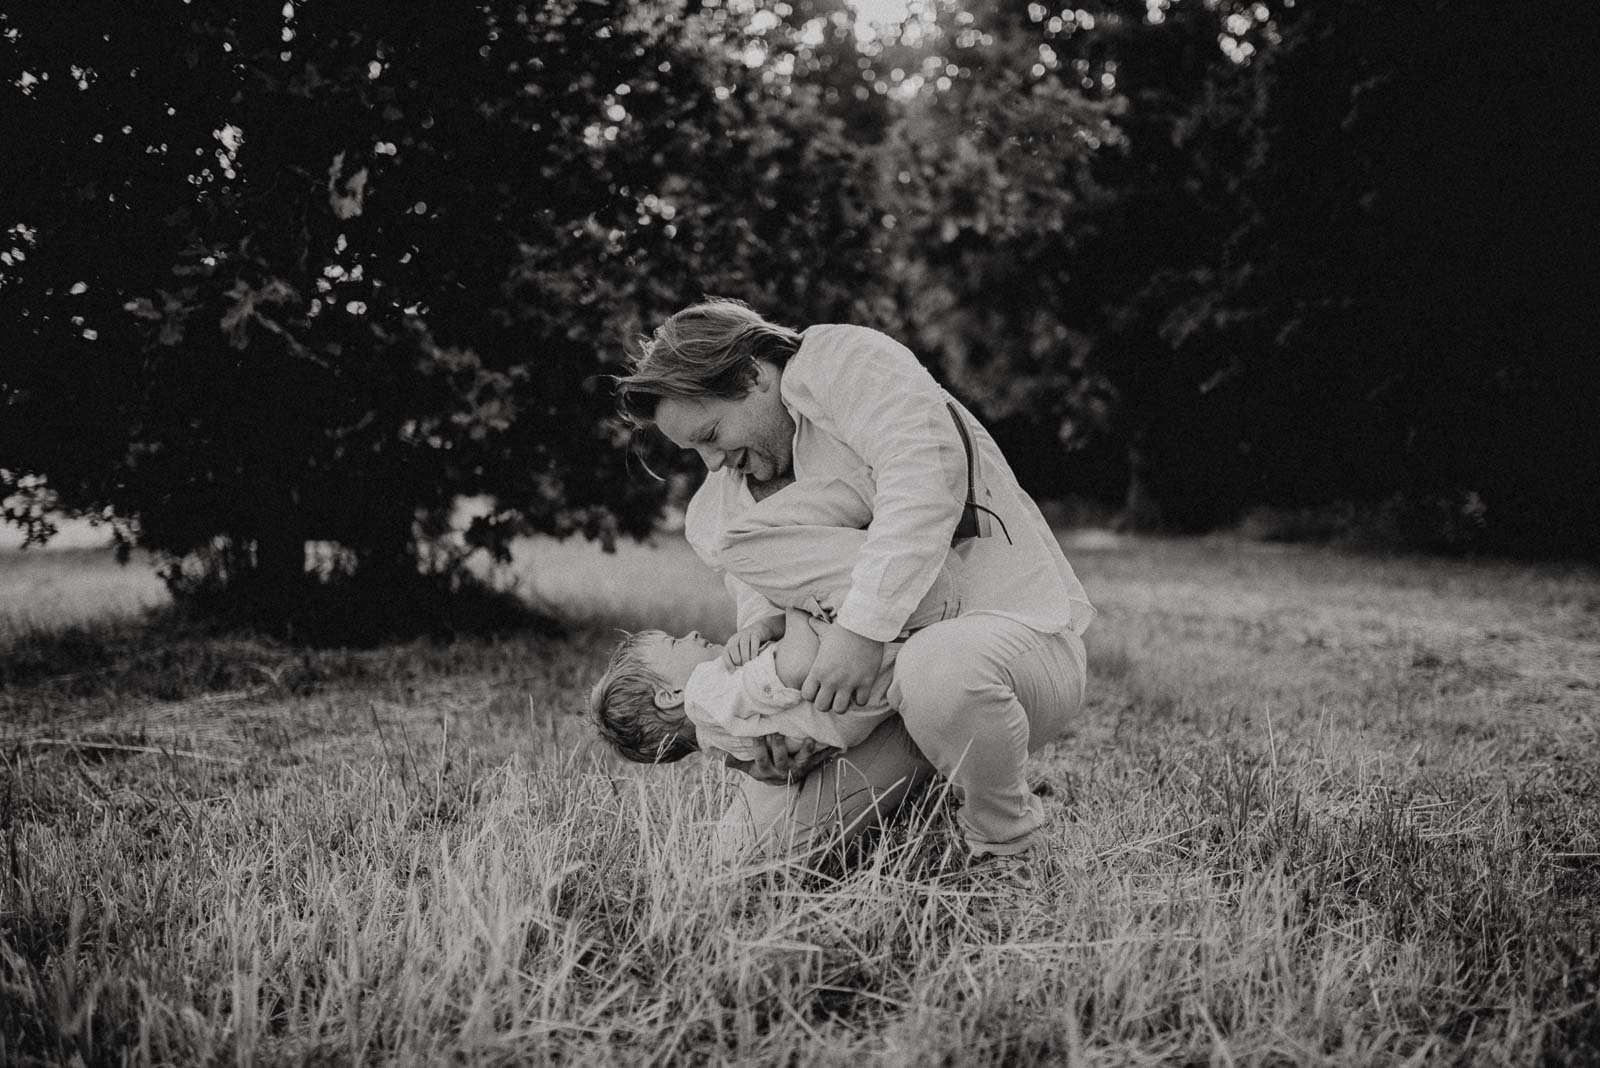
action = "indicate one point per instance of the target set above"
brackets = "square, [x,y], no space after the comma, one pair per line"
[752,434]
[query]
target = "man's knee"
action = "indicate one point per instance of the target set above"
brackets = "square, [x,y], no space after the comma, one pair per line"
[936,674]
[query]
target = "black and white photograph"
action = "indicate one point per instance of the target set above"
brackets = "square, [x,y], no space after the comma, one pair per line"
[799,533]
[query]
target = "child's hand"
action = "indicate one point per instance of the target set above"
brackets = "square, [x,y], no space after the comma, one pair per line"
[745,644]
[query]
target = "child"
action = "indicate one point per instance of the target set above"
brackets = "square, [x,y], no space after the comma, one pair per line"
[663,698]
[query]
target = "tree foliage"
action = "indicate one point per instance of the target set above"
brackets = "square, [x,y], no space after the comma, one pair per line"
[1414,275]
[312,273]
[1279,253]
[1065,196]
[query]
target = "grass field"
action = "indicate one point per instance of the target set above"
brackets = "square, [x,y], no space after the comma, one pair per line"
[1321,809]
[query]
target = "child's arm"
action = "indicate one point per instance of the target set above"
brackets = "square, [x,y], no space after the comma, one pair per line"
[743,646]
[798,647]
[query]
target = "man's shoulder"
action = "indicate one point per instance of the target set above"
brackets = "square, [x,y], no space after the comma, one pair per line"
[829,351]
[832,339]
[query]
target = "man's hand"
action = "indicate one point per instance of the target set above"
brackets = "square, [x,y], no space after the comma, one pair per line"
[783,760]
[846,667]
[743,646]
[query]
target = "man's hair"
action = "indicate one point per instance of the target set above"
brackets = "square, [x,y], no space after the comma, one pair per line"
[708,349]
[623,705]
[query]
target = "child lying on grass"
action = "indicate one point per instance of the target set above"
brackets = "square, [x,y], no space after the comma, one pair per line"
[663,698]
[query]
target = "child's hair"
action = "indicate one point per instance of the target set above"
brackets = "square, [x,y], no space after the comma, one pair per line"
[623,704]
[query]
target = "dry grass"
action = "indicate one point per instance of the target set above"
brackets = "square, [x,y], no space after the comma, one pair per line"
[1321,809]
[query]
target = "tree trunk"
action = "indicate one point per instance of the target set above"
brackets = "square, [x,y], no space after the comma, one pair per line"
[1140,509]
[277,580]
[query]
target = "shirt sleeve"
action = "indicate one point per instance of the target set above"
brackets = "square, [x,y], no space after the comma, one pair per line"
[870,392]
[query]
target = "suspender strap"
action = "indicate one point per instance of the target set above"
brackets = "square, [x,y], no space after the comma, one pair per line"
[969,525]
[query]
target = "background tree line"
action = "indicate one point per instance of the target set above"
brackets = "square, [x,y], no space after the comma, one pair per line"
[272,274]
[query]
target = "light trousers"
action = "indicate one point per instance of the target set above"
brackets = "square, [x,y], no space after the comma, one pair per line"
[976,693]
[797,548]
[976,696]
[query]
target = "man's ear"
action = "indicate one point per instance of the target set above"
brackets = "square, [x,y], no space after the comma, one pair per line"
[766,376]
[666,698]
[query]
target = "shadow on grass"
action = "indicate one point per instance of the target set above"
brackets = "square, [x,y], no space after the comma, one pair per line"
[350,611]
[290,641]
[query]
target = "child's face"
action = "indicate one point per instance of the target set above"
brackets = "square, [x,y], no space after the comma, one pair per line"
[674,659]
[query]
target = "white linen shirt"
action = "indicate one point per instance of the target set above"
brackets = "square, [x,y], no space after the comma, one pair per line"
[857,397]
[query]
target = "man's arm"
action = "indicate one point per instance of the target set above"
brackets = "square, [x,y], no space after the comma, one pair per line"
[870,392]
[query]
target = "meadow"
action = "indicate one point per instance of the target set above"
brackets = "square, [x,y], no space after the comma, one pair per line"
[1322,808]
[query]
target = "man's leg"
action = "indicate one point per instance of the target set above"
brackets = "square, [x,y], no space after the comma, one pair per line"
[831,807]
[977,695]
[822,501]
[802,542]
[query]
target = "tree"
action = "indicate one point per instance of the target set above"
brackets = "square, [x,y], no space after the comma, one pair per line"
[312,273]
[1057,202]
[1407,305]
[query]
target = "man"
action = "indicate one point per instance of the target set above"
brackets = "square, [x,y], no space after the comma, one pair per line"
[977,693]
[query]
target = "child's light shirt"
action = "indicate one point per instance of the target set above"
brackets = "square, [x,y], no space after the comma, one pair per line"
[732,708]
